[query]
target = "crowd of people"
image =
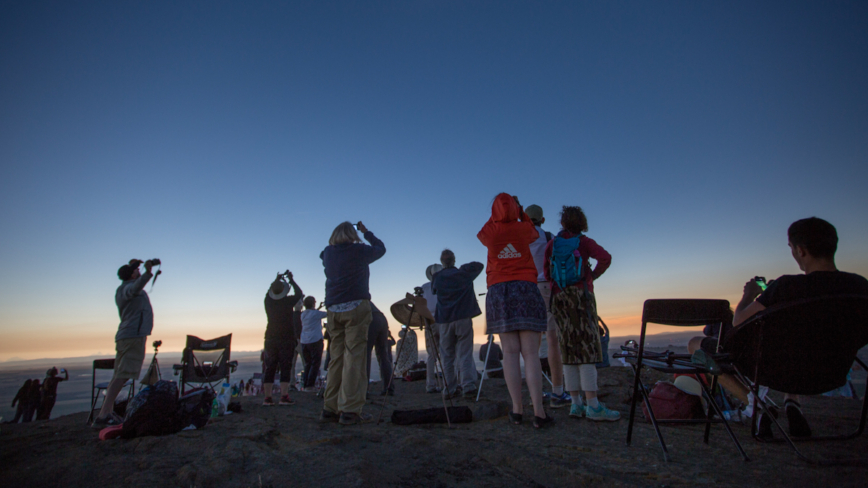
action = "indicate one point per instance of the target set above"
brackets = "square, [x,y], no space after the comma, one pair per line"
[37,399]
[540,303]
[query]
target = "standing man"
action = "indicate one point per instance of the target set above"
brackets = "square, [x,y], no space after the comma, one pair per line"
[456,307]
[49,392]
[137,321]
[280,341]
[432,336]
[559,398]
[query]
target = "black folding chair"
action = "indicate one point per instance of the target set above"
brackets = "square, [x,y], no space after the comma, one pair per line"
[97,388]
[205,361]
[677,312]
[805,347]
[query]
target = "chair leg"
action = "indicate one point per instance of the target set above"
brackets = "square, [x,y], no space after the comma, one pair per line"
[633,404]
[713,405]
[647,401]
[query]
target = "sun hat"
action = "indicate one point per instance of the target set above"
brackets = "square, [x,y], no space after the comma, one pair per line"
[434,268]
[689,385]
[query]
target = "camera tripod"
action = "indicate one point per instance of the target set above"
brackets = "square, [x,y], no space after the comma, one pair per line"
[153,374]
[425,327]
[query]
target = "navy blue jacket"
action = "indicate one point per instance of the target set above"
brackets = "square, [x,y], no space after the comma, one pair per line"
[456,299]
[346,269]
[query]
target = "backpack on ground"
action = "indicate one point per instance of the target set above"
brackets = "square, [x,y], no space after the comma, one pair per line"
[194,408]
[564,266]
[418,371]
[153,411]
[670,403]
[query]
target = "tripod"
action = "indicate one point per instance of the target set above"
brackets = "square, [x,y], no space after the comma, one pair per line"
[153,374]
[429,335]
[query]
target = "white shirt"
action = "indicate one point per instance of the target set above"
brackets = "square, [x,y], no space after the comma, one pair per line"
[538,250]
[311,326]
[428,294]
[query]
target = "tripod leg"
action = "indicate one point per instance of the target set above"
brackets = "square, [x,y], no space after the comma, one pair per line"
[394,368]
[440,361]
[485,365]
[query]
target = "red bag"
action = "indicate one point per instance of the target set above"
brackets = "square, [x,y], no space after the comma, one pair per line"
[670,403]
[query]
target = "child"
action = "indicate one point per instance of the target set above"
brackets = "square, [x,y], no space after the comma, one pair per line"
[311,342]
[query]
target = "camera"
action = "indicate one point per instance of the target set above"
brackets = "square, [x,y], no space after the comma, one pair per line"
[157,344]
[156,262]
[761,281]
[418,291]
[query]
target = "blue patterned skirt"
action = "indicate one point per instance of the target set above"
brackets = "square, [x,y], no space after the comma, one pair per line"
[514,305]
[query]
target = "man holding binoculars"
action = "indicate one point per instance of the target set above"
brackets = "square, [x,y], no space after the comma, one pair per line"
[137,320]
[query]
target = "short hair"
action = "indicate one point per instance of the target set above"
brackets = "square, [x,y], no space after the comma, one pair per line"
[344,233]
[816,235]
[573,220]
[309,302]
[447,258]
[125,272]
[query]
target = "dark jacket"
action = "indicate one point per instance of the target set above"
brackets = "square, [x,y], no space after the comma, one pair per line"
[279,313]
[456,299]
[346,269]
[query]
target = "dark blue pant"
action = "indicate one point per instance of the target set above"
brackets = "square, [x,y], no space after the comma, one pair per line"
[311,355]
[378,337]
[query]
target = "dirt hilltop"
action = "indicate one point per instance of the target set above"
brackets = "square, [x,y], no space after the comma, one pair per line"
[286,446]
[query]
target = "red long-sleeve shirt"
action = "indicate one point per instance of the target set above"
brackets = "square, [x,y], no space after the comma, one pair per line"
[588,248]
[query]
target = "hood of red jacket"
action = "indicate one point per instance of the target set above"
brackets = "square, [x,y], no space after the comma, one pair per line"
[504,208]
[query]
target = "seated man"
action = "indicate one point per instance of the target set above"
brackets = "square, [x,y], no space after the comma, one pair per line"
[813,243]
[494,367]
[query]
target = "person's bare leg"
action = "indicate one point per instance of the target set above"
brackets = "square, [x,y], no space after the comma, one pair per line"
[555,362]
[726,381]
[532,369]
[111,393]
[268,388]
[284,388]
[511,344]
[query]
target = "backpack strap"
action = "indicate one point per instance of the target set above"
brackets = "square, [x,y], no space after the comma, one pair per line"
[548,235]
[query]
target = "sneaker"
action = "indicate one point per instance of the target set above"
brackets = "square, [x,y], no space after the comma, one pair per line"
[455,394]
[292,388]
[470,395]
[601,413]
[348,418]
[285,400]
[764,426]
[577,411]
[268,402]
[798,425]
[562,400]
[310,389]
[327,416]
[110,421]
[432,389]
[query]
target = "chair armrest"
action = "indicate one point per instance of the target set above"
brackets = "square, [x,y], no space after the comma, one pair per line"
[177,367]
[233,365]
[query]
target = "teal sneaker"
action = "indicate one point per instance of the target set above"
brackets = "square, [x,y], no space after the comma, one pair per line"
[601,414]
[577,411]
[562,400]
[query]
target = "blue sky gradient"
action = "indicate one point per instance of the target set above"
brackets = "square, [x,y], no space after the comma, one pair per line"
[229,139]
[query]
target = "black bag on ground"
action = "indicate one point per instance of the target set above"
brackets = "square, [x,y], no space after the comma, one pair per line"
[457,415]
[418,371]
[153,411]
[194,408]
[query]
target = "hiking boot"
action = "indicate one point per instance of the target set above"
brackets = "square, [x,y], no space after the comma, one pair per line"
[327,416]
[110,421]
[577,411]
[601,413]
[559,401]
[349,418]
[285,400]
[268,402]
[798,425]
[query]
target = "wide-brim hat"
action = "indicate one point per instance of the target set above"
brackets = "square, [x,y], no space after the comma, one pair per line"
[282,293]
[412,311]
[434,268]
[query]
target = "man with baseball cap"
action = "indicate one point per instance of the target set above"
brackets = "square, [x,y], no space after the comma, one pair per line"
[137,320]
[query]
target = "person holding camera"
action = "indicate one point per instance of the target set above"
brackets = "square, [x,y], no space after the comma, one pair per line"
[137,321]
[348,302]
[514,308]
[280,341]
[49,392]
[456,307]
[813,243]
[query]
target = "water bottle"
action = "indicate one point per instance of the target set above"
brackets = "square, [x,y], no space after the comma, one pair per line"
[214,408]
[732,416]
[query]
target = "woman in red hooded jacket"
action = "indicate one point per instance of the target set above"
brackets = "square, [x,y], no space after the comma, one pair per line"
[514,308]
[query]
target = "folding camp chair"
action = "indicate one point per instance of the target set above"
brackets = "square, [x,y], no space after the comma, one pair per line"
[678,312]
[97,388]
[205,362]
[804,348]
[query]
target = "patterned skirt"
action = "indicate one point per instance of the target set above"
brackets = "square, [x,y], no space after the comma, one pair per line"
[578,332]
[514,305]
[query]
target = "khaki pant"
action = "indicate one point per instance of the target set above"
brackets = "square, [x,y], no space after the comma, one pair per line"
[347,379]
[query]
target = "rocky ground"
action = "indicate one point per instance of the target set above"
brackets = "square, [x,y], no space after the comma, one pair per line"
[286,446]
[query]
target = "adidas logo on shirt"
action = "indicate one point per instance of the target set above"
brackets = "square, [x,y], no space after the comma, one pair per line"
[509,252]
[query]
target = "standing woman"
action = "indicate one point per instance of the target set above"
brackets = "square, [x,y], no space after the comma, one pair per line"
[575,311]
[514,308]
[348,303]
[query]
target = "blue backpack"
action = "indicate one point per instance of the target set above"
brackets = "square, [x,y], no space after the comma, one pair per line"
[565,267]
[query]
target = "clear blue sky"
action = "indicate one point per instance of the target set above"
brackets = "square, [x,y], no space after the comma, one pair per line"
[230,138]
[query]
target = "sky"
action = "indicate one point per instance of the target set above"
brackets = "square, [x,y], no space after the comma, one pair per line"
[229,139]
